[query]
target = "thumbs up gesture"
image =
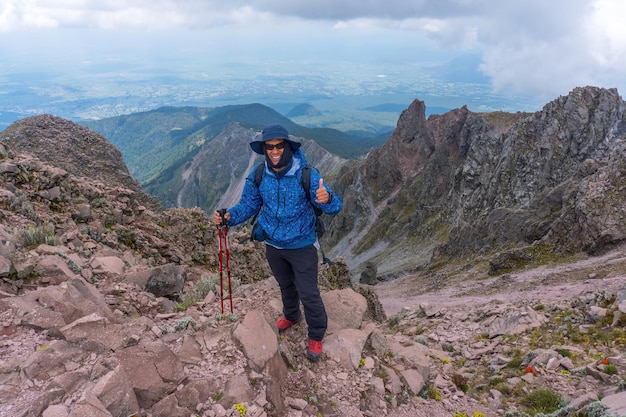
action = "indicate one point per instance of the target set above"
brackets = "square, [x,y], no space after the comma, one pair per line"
[322,195]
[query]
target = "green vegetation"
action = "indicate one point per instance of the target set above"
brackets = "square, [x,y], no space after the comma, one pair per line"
[99,202]
[21,205]
[541,401]
[185,323]
[460,381]
[126,236]
[241,409]
[200,290]
[75,267]
[590,343]
[158,143]
[37,235]
[610,369]
[434,393]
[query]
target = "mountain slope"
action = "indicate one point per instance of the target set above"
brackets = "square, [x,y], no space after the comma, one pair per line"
[217,170]
[166,139]
[109,309]
[78,150]
[515,188]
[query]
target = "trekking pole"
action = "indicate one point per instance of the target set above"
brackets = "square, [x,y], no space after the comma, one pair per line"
[325,260]
[220,257]
[224,256]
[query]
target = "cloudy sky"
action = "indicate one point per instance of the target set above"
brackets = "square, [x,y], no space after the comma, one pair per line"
[536,48]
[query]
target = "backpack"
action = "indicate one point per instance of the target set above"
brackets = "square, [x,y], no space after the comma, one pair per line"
[305,181]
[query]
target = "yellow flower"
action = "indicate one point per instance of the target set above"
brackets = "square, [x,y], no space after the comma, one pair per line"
[241,409]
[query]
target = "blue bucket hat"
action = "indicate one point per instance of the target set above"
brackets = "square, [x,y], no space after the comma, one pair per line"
[273,132]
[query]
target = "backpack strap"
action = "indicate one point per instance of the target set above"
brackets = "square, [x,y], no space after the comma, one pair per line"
[258,174]
[319,224]
[305,180]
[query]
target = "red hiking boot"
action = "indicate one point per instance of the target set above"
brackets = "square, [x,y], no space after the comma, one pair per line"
[315,350]
[283,324]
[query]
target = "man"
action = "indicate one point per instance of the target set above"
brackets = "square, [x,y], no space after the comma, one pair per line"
[286,223]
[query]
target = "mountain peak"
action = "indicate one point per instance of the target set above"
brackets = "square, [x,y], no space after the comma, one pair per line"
[76,149]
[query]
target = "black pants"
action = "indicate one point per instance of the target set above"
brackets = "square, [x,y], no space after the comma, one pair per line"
[296,273]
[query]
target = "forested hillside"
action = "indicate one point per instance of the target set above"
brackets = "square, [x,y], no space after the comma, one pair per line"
[159,141]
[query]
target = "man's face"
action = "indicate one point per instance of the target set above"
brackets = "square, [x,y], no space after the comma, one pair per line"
[274,149]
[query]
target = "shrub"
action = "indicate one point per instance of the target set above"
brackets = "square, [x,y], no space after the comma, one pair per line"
[37,235]
[565,353]
[75,267]
[610,369]
[541,401]
[460,381]
[596,409]
[20,204]
[394,320]
[516,359]
[504,388]
[200,290]
[126,237]
[184,323]
[434,393]
[99,202]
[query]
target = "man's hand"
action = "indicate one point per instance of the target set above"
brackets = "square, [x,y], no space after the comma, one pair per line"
[217,218]
[322,193]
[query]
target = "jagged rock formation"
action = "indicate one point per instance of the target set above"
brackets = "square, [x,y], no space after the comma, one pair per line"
[464,184]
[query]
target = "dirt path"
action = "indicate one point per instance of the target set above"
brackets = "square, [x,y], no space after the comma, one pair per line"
[545,284]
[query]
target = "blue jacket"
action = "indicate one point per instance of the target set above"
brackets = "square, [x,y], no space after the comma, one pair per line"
[287,217]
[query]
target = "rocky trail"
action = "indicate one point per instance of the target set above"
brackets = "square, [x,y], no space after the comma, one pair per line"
[453,311]
[549,284]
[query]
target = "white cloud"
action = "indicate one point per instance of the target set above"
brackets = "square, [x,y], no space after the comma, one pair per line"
[607,32]
[537,47]
[542,49]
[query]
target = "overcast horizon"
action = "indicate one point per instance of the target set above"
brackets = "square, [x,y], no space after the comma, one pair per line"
[525,52]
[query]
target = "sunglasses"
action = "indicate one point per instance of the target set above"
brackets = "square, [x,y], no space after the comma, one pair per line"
[269,147]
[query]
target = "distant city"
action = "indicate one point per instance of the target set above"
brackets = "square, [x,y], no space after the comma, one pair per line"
[342,90]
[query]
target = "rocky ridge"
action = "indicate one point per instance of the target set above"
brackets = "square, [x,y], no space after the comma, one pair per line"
[109,308]
[76,149]
[101,313]
[461,184]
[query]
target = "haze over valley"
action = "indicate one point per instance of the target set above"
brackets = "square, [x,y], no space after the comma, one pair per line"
[358,66]
[348,97]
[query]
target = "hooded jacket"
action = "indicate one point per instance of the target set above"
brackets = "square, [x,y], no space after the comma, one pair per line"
[287,217]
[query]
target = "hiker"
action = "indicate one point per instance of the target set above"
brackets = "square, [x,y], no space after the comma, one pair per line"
[286,223]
